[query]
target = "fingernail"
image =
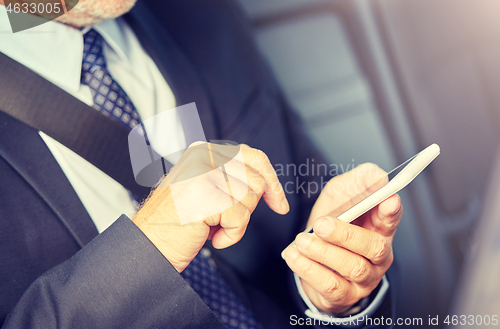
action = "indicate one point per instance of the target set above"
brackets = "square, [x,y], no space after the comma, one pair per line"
[290,253]
[303,240]
[284,205]
[324,226]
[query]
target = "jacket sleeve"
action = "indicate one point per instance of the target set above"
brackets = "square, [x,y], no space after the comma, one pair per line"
[118,280]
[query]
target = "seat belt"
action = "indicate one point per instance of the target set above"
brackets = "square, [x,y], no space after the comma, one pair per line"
[31,99]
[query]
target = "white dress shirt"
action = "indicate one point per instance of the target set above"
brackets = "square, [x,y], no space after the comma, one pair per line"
[55,52]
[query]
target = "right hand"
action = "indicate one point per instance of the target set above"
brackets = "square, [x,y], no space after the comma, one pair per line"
[340,263]
[195,185]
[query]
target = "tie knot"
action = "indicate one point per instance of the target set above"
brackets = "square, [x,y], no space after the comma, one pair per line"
[93,54]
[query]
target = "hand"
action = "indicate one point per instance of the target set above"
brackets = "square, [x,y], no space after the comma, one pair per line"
[213,184]
[340,263]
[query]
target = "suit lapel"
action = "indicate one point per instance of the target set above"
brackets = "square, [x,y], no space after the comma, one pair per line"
[23,148]
[176,68]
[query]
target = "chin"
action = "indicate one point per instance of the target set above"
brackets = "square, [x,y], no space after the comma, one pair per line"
[90,12]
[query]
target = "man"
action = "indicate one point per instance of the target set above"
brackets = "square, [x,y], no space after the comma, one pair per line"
[54,203]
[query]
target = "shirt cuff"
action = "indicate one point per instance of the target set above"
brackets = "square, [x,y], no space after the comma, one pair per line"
[352,321]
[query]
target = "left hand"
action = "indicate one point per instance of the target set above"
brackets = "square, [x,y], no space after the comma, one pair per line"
[340,263]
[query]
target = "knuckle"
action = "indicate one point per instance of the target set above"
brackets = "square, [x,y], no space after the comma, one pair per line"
[317,247]
[261,181]
[347,235]
[197,152]
[308,270]
[246,214]
[381,251]
[320,248]
[393,225]
[252,196]
[395,220]
[193,144]
[361,272]
[331,285]
[340,295]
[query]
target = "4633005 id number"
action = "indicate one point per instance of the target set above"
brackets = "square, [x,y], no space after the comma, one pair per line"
[35,8]
[471,320]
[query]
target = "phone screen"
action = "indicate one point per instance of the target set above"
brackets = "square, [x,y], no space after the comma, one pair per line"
[362,184]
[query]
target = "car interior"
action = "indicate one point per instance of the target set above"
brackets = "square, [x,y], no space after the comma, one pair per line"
[379,80]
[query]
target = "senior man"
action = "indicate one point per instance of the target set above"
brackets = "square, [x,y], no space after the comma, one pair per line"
[58,271]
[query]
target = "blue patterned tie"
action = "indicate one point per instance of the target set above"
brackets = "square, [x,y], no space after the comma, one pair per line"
[203,277]
[109,98]
[112,101]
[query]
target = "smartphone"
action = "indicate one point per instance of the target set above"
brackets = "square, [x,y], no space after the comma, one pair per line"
[395,181]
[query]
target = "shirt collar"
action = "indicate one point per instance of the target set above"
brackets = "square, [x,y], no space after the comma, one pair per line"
[54,50]
[112,32]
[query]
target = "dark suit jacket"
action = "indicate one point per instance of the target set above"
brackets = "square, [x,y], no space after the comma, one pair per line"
[54,269]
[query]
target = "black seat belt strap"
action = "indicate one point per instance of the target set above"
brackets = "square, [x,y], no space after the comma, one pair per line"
[41,105]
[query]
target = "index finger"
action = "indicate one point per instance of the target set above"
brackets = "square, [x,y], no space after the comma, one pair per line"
[274,195]
[371,245]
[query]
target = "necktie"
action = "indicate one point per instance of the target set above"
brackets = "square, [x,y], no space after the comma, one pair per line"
[112,101]
[203,277]
[109,98]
